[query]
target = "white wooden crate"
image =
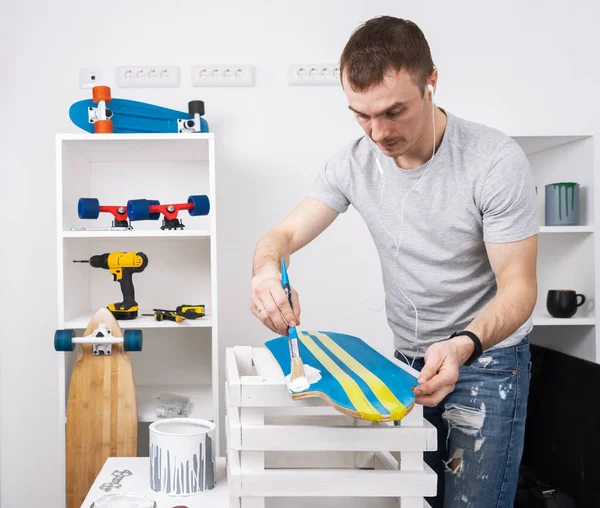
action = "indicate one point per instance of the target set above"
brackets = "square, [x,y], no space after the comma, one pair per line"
[279,447]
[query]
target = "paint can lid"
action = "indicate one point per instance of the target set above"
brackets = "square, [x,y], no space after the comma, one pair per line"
[123,501]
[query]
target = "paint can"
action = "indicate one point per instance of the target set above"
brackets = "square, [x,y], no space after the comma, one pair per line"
[182,456]
[562,204]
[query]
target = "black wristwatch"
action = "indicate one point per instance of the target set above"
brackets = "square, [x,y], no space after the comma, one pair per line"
[477,352]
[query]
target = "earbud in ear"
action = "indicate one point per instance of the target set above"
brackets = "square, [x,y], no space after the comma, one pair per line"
[430,87]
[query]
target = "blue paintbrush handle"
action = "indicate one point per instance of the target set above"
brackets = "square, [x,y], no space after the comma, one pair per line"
[285,283]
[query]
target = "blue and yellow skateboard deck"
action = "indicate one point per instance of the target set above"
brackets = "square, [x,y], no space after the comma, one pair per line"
[132,117]
[355,379]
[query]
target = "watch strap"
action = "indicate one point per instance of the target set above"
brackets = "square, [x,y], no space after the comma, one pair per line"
[477,351]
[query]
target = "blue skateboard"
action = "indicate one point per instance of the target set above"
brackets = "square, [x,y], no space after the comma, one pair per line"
[103,114]
[354,378]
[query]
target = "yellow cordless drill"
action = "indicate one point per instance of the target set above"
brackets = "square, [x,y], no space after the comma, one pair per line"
[122,265]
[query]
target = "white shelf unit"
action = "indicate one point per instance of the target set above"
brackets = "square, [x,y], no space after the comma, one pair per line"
[182,267]
[566,254]
[566,229]
[190,233]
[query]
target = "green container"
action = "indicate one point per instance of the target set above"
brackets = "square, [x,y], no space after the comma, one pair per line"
[562,204]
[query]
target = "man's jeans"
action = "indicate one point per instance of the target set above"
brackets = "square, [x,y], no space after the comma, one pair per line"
[481,428]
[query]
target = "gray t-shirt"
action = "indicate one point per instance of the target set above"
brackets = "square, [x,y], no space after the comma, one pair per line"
[479,188]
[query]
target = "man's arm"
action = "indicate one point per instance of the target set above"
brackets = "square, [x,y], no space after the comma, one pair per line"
[269,302]
[514,266]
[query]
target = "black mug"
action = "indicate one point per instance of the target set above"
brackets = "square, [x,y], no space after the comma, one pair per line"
[562,303]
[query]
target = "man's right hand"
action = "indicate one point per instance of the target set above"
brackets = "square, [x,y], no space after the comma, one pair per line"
[269,303]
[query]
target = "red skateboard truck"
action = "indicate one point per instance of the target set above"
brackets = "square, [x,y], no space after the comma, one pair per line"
[90,208]
[144,209]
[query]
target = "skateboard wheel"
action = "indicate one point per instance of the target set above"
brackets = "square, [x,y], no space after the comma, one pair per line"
[203,125]
[196,107]
[63,340]
[138,209]
[132,340]
[201,205]
[155,215]
[101,93]
[88,208]
[103,127]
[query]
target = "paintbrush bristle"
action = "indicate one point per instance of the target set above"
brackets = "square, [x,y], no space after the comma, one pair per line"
[297,368]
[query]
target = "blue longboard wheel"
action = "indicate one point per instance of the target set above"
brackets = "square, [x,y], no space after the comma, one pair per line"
[201,205]
[138,209]
[63,340]
[88,208]
[155,215]
[132,340]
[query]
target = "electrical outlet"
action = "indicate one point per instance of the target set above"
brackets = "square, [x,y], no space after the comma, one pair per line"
[89,78]
[148,76]
[314,74]
[223,75]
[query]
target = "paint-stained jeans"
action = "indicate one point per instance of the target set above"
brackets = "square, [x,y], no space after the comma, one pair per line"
[481,428]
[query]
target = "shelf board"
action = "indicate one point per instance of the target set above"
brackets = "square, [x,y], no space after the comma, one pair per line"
[141,148]
[81,322]
[574,321]
[100,138]
[566,229]
[133,233]
[201,400]
[539,143]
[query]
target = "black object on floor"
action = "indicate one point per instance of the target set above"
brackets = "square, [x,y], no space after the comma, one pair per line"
[562,435]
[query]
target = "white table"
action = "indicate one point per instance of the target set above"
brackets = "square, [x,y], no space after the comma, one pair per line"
[139,483]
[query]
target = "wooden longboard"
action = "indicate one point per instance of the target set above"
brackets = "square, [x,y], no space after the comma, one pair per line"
[101,411]
[355,379]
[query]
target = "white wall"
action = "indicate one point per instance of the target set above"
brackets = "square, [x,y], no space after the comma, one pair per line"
[524,67]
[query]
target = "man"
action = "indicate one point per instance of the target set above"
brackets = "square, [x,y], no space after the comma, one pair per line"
[451,208]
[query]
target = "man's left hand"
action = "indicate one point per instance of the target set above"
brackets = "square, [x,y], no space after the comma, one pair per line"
[440,372]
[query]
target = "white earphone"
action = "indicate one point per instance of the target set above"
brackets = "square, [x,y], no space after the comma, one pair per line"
[398,243]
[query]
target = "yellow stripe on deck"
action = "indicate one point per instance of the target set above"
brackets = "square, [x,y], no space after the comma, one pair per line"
[378,387]
[353,391]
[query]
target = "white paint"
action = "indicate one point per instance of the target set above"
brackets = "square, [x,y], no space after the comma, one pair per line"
[475,390]
[484,361]
[300,384]
[178,446]
[258,128]
[124,501]
[464,499]
[503,390]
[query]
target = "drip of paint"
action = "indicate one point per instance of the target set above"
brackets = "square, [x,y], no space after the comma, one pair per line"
[312,375]
[566,186]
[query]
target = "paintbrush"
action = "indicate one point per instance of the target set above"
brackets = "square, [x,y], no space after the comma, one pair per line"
[298,381]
